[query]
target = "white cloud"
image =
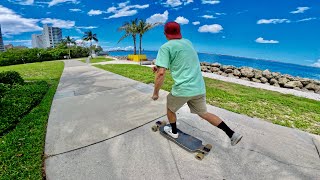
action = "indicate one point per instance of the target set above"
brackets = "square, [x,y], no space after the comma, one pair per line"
[123,10]
[261,40]
[55,2]
[221,14]
[195,9]
[75,10]
[87,27]
[12,23]
[93,12]
[316,64]
[208,16]
[182,20]
[307,19]
[214,28]
[175,3]
[22,2]
[158,18]
[273,21]
[58,23]
[210,2]
[300,10]
[196,23]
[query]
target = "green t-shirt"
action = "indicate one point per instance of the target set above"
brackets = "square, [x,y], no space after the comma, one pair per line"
[179,56]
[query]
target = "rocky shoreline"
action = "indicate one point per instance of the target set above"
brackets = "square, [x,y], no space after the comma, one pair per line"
[266,77]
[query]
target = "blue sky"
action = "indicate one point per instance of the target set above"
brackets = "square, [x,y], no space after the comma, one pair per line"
[286,30]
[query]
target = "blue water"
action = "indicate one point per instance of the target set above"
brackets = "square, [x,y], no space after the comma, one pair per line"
[273,66]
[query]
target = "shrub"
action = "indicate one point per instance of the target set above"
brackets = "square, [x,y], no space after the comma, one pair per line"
[11,77]
[17,101]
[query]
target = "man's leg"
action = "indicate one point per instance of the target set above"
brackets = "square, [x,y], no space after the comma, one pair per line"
[216,121]
[172,117]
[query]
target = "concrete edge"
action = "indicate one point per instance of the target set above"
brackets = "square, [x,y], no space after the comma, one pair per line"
[316,142]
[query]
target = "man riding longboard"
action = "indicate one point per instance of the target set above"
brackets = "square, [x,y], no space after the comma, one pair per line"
[179,56]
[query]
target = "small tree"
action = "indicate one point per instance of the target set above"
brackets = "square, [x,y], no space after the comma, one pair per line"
[89,36]
[68,41]
[130,29]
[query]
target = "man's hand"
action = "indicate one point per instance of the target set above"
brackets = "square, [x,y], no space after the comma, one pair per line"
[154,69]
[155,97]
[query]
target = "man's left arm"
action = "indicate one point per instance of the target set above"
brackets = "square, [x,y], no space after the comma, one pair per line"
[159,79]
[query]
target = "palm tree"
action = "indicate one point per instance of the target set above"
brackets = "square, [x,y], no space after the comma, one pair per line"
[130,29]
[143,27]
[89,36]
[68,41]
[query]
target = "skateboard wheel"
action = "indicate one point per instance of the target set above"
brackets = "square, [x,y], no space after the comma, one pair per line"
[200,156]
[158,123]
[208,147]
[154,128]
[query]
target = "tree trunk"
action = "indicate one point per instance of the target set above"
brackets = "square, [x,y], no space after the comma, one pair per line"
[91,48]
[134,45]
[140,47]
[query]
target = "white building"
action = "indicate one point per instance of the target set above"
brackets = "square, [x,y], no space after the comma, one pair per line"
[1,41]
[50,37]
[37,41]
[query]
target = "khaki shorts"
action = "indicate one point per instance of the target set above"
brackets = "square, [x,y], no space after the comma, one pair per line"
[197,104]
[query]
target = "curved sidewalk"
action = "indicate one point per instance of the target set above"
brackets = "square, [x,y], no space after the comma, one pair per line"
[100,128]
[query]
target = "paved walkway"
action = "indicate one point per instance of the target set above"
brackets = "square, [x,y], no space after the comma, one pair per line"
[100,128]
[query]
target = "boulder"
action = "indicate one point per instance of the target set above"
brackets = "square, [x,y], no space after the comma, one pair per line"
[275,74]
[214,69]
[230,75]
[228,71]
[276,85]
[245,78]
[296,88]
[219,72]
[255,80]
[293,84]
[305,82]
[267,74]
[204,64]
[224,74]
[203,68]
[247,72]
[236,72]
[283,81]
[313,87]
[264,80]
[273,81]
[257,74]
[216,65]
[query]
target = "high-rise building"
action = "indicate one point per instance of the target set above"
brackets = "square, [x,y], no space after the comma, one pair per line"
[1,41]
[50,37]
[37,41]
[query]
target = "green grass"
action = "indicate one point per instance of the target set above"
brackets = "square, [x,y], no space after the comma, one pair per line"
[97,59]
[282,109]
[21,150]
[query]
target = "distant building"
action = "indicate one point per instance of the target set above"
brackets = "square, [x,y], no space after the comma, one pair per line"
[1,41]
[9,46]
[37,41]
[50,37]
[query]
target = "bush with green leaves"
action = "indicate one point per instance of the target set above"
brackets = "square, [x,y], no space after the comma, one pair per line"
[22,56]
[17,100]
[11,77]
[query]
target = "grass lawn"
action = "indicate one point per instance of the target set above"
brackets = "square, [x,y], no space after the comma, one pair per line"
[21,149]
[97,59]
[282,109]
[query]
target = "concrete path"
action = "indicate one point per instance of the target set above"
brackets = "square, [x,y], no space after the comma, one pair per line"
[100,128]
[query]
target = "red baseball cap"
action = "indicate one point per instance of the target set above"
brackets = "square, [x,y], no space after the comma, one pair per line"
[172,30]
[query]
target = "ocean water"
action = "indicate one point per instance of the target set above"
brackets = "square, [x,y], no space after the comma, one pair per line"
[273,66]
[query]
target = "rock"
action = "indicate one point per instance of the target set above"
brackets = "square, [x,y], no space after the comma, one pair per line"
[153,62]
[236,72]
[224,68]
[245,78]
[273,81]
[214,69]
[255,80]
[293,84]
[228,71]
[264,80]
[276,85]
[230,75]
[257,74]
[224,74]
[208,71]
[313,87]
[283,81]
[296,88]
[305,82]
[204,64]
[289,77]
[216,65]
[204,68]
[247,72]
[275,74]
[237,77]
[267,74]
[219,72]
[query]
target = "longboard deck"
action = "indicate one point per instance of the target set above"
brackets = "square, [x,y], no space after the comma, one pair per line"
[184,140]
